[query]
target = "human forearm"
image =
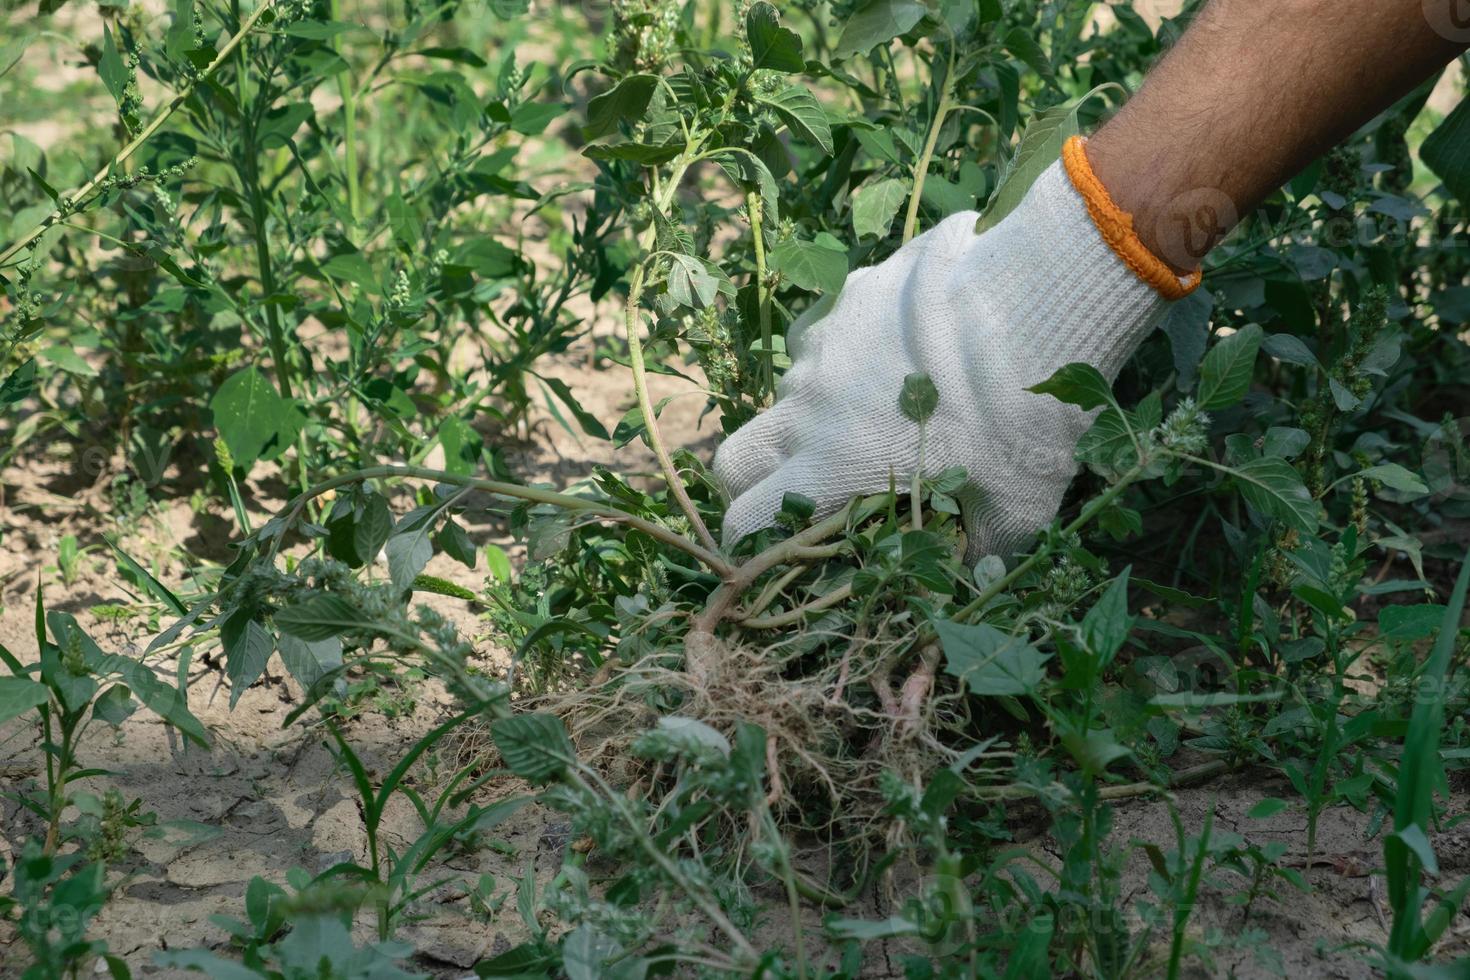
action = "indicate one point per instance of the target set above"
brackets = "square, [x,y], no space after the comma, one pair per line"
[1252,93]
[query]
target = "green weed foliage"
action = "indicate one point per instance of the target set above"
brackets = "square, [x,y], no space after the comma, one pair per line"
[328,243]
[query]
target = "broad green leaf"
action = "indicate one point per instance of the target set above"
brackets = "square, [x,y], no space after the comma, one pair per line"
[67,358]
[1187,325]
[319,618]
[919,398]
[801,111]
[875,204]
[1077,384]
[1022,42]
[1395,476]
[988,661]
[454,542]
[248,646]
[689,283]
[19,695]
[498,562]
[1288,443]
[114,705]
[18,384]
[819,265]
[534,746]
[307,660]
[370,528]
[771,45]
[254,421]
[1273,486]
[877,22]
[1040,147]
[624,102]
[1225,375]
[752,173]
[1446,151]
[409,549]
[1414,622]
[1266,808]
[1285,347]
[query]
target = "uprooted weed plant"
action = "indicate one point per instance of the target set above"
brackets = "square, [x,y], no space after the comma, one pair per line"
[329,244]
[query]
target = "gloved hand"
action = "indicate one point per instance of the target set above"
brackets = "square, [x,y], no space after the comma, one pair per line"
[1062,278]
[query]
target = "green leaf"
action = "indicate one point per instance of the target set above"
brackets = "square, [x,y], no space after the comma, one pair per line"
[319,618]
[1285,347]
[1266,808]
[19,695]
[877,22]
[409,550]
[874,206]
[801,111]
[111,68]
[371,528]
[1273,486]
[771,45]
[114,705]
[1446,151]
[1021,42]
[988,661]
[1040,147]
[1077,384]
[455,543]
[919,398]
[254,421]
[1420,773]
[689,283]
[819,265]
[145,578]
[1225,375]
[585,419]
[307,660]
[18,384]
[1414,622]
[248,646]
[1107,623]
[624,102]
[1395,476]
[534,746]
[68,360]
[498,562]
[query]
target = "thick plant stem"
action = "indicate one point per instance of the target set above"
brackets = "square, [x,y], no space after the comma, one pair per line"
[800,546]
[605,511]
[921,166]
[753,205]
[144,135]
[645,405]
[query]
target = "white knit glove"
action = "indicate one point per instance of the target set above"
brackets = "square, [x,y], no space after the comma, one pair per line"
[985,316]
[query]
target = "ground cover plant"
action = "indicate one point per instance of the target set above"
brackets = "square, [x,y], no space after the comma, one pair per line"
[298,294]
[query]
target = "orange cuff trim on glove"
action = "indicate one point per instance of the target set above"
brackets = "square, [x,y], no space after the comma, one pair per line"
[1116,226]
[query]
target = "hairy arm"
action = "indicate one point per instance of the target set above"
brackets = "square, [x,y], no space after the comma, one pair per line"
[1252,93]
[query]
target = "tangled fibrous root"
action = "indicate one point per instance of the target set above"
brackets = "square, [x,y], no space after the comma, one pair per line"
[831,737]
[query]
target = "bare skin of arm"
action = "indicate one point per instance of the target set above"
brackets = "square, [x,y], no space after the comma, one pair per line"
[1249,96]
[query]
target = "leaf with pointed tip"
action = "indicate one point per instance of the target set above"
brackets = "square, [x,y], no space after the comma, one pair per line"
[771,45]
